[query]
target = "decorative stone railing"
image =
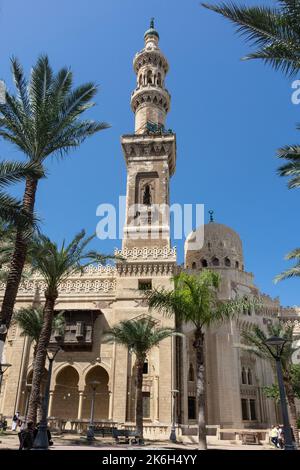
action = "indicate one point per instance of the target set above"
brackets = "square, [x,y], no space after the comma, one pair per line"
[147,254]
[94,279]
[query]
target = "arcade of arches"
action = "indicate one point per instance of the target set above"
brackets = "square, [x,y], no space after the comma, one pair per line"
[69,400]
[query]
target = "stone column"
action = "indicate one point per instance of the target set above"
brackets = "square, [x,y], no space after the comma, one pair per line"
[50,403]
[80,404]
[156,399]
[110,405]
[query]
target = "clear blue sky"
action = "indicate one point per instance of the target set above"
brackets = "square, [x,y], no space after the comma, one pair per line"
[229,117]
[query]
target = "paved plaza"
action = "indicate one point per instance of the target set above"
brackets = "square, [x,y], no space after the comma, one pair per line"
[10,441]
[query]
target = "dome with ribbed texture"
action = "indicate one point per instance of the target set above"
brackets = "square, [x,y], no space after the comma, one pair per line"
[222,247]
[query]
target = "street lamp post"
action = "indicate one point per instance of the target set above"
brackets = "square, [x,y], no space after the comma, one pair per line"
[90,433]
[173,428]
[41,441]
[275,346]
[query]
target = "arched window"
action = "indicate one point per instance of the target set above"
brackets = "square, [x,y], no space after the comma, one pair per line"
[147,198]
[194,265]
[159,79]
[244,376]
[227,262]
[250,381]
[191,373]
[237,265]
[149,77]
[204,263]
[141,80]
[209,245]
[145,368]
[215,261]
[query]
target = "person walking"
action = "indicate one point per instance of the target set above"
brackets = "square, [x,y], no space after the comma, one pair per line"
[274,436]
[15,421]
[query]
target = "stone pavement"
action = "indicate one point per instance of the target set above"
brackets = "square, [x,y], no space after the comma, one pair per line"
[73,442]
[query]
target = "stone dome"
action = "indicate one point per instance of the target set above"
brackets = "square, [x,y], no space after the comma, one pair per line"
[222,247]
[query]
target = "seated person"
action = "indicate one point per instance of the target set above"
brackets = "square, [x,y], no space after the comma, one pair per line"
[26,437]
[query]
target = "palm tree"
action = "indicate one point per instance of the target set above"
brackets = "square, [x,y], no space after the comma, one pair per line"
[194,300]
[30,321]
[255,338]
[55,265]
[273,31]
[139,336]
[42,119]
[291,272]
[11,210]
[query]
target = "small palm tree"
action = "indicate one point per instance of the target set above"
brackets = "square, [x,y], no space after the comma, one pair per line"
[194,300]
[41,120]
[55,265]
[11,210]
[255,338]
[30,321]
[273,31]
[139,336]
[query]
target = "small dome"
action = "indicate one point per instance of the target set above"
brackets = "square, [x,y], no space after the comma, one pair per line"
[222,247]
[151,31]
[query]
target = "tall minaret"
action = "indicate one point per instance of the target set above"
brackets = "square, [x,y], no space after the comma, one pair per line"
[150,152]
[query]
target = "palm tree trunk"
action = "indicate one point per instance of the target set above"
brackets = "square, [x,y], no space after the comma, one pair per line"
[292,408]
[18,260]
[200,384]
[139,397]
[40,358]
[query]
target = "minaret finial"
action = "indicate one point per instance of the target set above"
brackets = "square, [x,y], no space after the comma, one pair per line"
[152,23]
[211,216]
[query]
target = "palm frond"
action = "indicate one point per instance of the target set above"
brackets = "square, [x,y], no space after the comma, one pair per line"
[139,336]
[289,273]
[273,31]
[195,299]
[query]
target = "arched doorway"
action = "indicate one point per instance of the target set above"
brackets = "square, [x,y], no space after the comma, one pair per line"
[96,374]
[66,395]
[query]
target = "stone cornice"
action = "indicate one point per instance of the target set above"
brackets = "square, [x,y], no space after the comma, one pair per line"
[137,147]
[146,269]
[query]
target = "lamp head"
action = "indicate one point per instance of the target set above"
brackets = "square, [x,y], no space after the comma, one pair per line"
[275,344]
[274,341]
[52,350]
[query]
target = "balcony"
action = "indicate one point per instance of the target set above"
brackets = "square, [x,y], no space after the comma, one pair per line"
[77,334]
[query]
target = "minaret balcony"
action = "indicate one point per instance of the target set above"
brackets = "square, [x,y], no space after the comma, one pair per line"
[153,57]
[151,95]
